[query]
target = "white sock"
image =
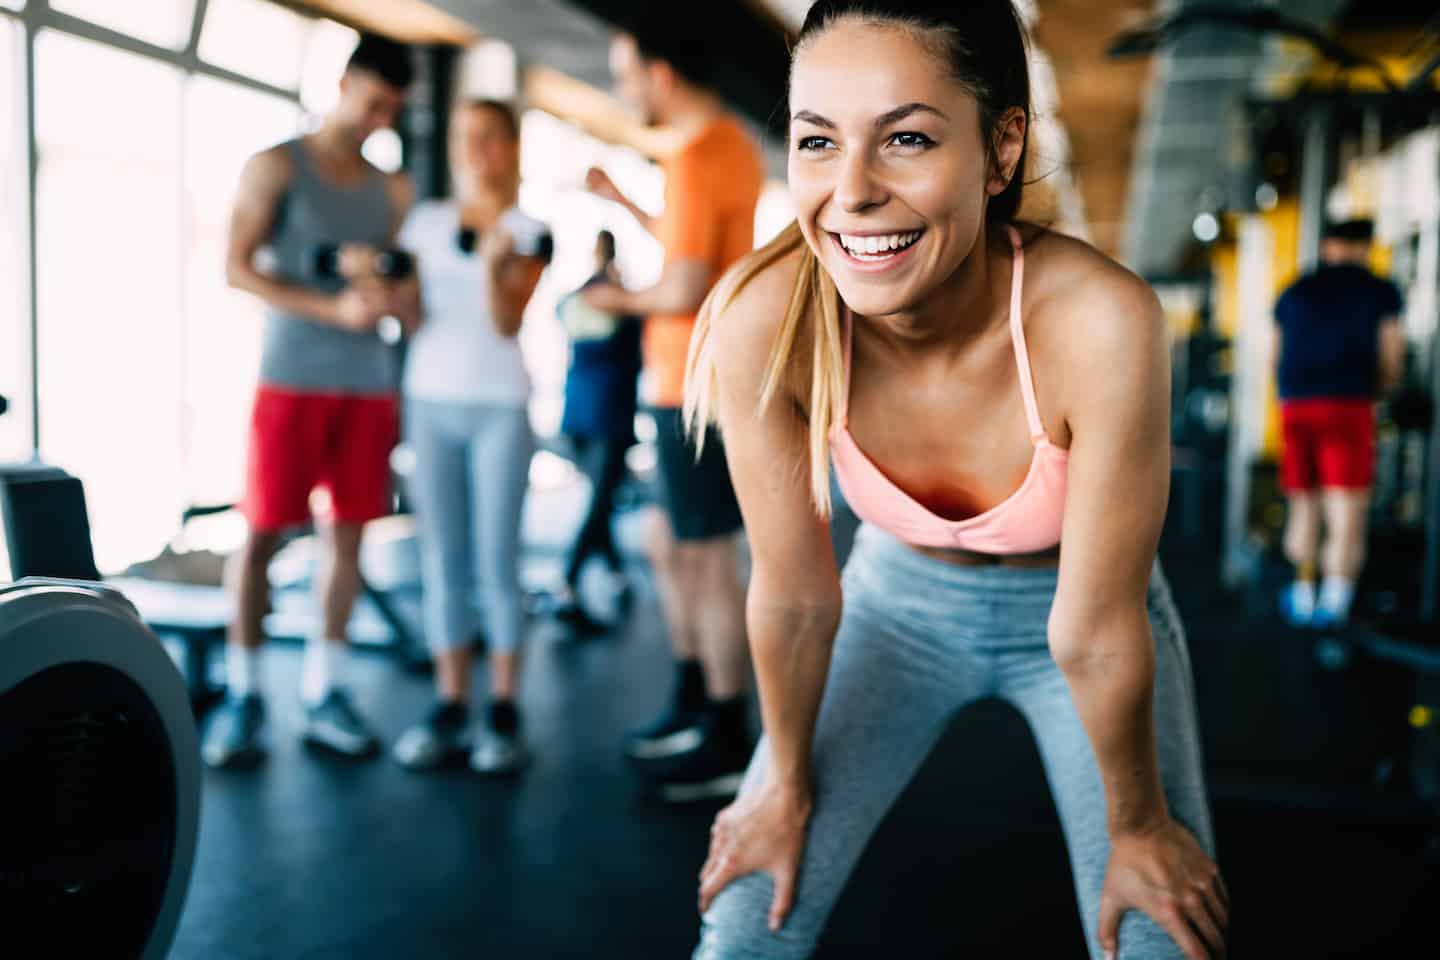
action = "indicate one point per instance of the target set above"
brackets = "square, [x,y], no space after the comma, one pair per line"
[1302,598]
[242,670]
[323,668]
[1336,594]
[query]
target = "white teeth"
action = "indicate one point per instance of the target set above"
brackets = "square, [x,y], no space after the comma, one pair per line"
[874,245]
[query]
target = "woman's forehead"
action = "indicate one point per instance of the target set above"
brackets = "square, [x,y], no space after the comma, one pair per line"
[853,69]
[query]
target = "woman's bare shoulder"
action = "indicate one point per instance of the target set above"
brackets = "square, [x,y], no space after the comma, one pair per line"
[1078,296]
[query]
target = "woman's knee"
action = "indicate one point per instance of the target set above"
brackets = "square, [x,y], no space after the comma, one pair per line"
[735,927]
[1141,938]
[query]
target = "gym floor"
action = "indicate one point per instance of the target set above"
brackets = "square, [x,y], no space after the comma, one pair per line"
[314,857]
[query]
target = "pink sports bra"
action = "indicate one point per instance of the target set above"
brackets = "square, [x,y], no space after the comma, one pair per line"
[1027,521]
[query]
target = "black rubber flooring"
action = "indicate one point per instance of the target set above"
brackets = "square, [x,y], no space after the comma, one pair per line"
[313,857]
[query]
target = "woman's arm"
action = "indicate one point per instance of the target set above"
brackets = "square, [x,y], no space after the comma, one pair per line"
[512,279]
[1099,630]
[1116,490]
[793,603]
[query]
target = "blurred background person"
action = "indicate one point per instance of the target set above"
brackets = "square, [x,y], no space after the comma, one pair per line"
[325,409]
[1339,345]
[466,390]
[599,422]
[699,744]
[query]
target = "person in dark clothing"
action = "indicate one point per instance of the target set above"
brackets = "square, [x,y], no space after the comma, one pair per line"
[599,421]
[1339,345]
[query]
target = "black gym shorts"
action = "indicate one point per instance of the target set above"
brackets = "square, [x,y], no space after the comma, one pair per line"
[697,495]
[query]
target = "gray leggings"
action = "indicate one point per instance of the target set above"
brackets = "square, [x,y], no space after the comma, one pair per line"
[918,640]
[472,466]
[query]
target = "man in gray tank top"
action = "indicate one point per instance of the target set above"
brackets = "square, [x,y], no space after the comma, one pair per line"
[325,413]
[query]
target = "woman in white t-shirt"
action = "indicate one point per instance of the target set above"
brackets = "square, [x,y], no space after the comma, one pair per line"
[465,392]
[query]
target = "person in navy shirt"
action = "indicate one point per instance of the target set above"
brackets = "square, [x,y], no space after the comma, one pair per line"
[1339,346]
[599,421]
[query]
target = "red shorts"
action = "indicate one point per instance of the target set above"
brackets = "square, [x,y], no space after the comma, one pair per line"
[1328,443]
[299,442]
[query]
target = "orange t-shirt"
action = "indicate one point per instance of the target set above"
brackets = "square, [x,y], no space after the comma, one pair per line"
[711,188]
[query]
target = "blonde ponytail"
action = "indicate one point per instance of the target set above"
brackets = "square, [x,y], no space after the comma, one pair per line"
[812,315]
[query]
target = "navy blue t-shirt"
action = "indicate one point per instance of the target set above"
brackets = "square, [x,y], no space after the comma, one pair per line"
[604,366]
[1330,321]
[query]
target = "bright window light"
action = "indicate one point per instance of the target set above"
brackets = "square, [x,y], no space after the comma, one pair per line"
[327,50]
[165,23]
[15,440]
[255,38]
[109,217]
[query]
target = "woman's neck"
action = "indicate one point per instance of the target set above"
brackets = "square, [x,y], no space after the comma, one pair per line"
[480,209]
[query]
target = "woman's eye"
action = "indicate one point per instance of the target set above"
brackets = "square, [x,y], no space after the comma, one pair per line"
[812,143]
[911,139]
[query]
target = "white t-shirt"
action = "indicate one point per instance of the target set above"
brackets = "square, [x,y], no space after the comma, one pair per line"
[457,354]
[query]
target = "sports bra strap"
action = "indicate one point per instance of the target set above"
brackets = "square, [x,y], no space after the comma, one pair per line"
[1017,336]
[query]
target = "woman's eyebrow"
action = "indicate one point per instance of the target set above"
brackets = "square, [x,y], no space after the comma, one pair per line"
[806,116]
[884,120]
[905,110]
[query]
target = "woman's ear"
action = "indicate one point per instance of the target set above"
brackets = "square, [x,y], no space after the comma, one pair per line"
[1009,144]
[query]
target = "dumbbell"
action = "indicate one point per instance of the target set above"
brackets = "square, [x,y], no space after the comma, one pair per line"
[538,245]
[387,264]
[390,265]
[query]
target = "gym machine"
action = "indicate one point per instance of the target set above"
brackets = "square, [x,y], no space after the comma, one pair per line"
[100,808]
[101,804]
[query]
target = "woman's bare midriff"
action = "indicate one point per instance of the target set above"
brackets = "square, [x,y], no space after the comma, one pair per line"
[969,558]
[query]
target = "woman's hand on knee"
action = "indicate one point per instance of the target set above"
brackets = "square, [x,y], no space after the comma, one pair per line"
[1164,873]
[761,832]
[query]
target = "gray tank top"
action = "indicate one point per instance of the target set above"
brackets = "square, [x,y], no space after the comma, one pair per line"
[303,354]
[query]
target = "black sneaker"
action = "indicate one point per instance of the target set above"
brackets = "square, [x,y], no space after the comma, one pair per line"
[713,770]
[441,736]
[677,731]
[333,723]
[499,745]
[234,736]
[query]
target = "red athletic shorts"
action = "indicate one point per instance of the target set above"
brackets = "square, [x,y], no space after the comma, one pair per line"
[336,442]
[1328,443]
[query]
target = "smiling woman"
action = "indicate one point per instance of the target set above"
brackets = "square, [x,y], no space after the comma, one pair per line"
[909,330]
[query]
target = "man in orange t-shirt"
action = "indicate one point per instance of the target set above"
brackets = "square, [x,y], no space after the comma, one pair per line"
[699,745]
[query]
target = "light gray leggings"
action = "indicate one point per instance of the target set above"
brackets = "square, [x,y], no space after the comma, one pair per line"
[918,640]
[472,467]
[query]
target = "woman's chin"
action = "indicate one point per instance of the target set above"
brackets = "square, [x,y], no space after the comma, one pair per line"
[867,301]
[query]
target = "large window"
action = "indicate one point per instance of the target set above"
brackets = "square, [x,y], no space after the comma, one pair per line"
[146,358]
[15,440]
[165,23]
[224,125]
[108,251]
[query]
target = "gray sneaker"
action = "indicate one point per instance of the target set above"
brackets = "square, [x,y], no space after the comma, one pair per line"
[434,740]
[496,753]
[234,736]
[333,723]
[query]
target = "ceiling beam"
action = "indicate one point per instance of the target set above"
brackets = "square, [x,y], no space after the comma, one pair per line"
[409,21]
